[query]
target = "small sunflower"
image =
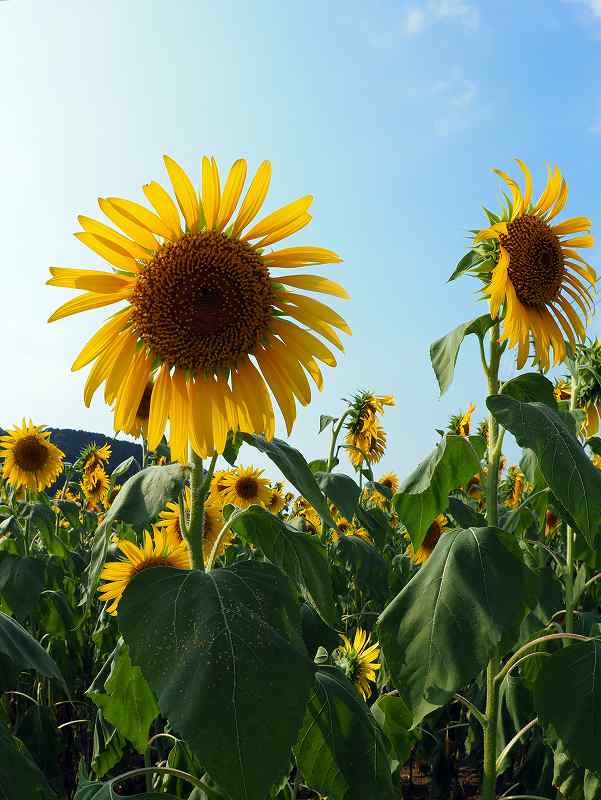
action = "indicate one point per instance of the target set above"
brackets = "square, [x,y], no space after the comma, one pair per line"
[540,285]
[596,461]
[161,549]
[562,389]
[435,531]
[345,527]
[94,456]
[205,320]
[474,488]
[213,522]
[305,511]
[31,461]
[516,485]
[95,486]
[244,487]
[390,480]
[277,499]
[66,494]
[357,661]
[460,423]
[366,439]
[552,524]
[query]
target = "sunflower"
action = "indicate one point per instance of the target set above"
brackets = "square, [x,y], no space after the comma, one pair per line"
[562,389]
[474,488]
[213,522]
[539,283]
[277,499]
[596,461]
[305,511]
[391,481]
[243,487]
[357,661]
[66,494]
[552,524]
[31,460]
[435,531]
[516,487]
[93,456]
[95,486]
[366,440]
[205,319]
[346,528]
[161,549]
[460,423]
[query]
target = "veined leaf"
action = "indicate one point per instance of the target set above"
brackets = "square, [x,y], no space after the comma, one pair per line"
[20,777]
[444,626]
[531,387]
[444,352]
[341,489]
[574,480]
[24,651]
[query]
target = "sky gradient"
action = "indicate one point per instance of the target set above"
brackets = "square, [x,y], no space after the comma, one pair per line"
[391,113]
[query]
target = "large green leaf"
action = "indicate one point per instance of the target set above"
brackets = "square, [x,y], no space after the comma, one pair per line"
[567,696]
[224,655]
[20,778]
[574,480]
[21,583]
[444,626]
[138,503]
[24,651]
[93,790]
[341,489]
[300,555]
[38,731]
[128,702]
[444,352]
[531,387]
[340,750]
[293,466]
[425,493]
[365,564]
[394,717]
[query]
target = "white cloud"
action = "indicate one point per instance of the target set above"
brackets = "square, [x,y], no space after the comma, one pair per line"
[419,16]
[592,6]
[455,100]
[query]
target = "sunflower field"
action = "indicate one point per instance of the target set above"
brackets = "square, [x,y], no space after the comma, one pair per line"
[211,630]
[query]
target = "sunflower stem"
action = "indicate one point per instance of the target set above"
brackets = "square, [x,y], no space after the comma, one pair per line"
[215,549]
[569,621]
[194,533]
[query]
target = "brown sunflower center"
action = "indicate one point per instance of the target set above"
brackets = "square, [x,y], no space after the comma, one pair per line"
[536,266]
[247,488]
[30,454]
[203,301]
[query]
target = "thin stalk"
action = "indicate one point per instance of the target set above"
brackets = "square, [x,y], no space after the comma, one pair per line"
[471,707]
[194,533]
[178,773]
[73,722]
[215,549]
[569,621]
[524,648]
[504,753]
[335,433]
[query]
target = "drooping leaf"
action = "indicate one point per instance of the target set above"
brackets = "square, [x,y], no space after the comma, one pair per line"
[37,729]
[128,702]
[293,466]
[340,750]
[232,448]
[223,647]
[365,563]
[466,516]
[317,633]
[301,556]
[425,493]
[20,777]
[24,651]
[567,696]
[443,627]
[341,489]
[394,717]
[574,480]
[21,582]
[324,421]
[375,522]
[531,387]
[444,352]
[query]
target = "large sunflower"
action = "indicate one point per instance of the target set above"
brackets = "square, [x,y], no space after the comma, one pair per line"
[357,660]
[160,550]
[540,284]
[30,459]
[204,317]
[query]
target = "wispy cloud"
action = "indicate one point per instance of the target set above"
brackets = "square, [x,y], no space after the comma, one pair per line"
[421,15]
[593,7]
[454,100]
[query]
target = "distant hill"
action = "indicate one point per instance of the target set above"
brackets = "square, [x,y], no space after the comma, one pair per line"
[72,442]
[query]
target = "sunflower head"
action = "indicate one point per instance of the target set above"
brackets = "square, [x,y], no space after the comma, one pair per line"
[95,487]
[460,423]
[277,499]
[31,461]
[242,487]
[357,659]
[552,524]
[515,487]
[215,321]
[93,456]
[305,511]
[160,549]
[435,531]
[213,522]
[535,279]
[390,480]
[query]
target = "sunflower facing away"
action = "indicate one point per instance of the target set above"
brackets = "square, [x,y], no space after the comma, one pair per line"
[205,319]
[95,486]
[213,522]
[94,456]
[540,285]
[31,460]
[357,661]
[160,550]
[461,423]
[366,439]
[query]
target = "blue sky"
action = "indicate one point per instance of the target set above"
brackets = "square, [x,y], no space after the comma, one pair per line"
[391,113]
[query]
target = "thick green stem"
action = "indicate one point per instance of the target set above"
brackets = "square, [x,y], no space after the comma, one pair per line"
[195,528]
[337,427]
[569,621]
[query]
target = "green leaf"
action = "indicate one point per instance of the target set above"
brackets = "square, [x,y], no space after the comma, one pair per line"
[316,633]
[444,352]
[340,750]
[464,515]
[293,466]
[20,777]
[93,790]
[595,444]
[324,421]
[471,259]
[301,556]
[128,703]
[444,626]
[224,655]
[365,563]
[425,493]
[37,730]
[232,448]
[394,717]
[321,465]
[123,467]
[341,489]
[531,387]
[21,583]
[573,713]
[374,520]
[574,480]
[24,651]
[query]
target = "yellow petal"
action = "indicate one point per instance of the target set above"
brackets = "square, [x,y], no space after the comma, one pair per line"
[108,250]
[210,191]
[120,368]
[291,370]
[255,397]
[184,192]
[515,190]
[201,425]
[128,245]
[550,192]
[219,418]
[580,241]
[288,331]
[135,231]
[231,193]
[159,407]
[562,198]
[91,280]
[131,392]
[102,368]
[162,203]
[255,197]
[496,289]
[178,418]
[316,308]
[574,225]
[300,257]
[527,182]
[141,216]
[491,233]
[103,337]
[87,301]
[314,283]
[284,398]
[317,325]
[280,219]
[297,224]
